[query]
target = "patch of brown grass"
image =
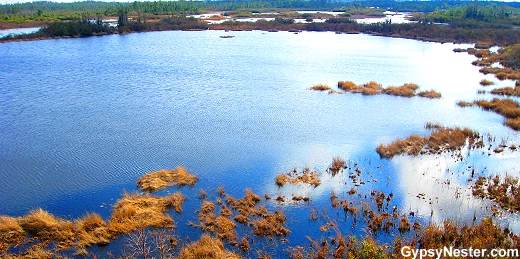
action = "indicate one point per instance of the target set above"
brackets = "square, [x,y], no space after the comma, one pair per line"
[208,248]
[320,87]
[464,104]
[136,211]
[513,123]
[270,225]
[404,91]
[441,139]
[507,91]
[11,233]
[337,165]
[503,191]
[158,180]
[92,230]
[48,228]
[346,85]
[430,94]
[306,176]
[505,107]
[485,82]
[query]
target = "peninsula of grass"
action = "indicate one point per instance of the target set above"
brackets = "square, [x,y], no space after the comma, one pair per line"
[507,91]
[306,176]
[158,180]
[374,88]
[442,139]
[508,108]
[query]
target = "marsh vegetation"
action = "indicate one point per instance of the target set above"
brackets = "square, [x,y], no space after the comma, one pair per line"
[374,88]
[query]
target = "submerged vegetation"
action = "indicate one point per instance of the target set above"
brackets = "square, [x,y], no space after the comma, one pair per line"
[504,192]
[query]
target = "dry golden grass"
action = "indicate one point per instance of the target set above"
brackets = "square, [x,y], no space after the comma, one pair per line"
[306,176]
[337,165]
[320,87]
[206,248]
[464,104]
[507,91]
[158,180]
[505,192]
[430,94]
[403,91]
[505,107]
[48,228]
[485,82]
[11,233]
[270,225]
[92,230]
[513,123]
[440,140]
[346,85]
[136,211]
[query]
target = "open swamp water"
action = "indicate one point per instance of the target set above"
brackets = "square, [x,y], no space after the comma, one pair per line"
[82,119]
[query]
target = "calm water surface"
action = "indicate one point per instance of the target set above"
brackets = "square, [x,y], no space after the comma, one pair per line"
[82,119]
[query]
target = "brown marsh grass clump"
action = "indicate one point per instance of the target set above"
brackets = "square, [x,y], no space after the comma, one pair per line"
[406,90]
[337,165]
[48,228]
[507,91]
[208,248]
[158,180]
[320,87]
[432,94]
[513,123]
[92,230]
[306,176]
[464,104]
[11,233]
[441,139]
[485,82]
[270,225]
[136,211]
[505,107]
[346,85]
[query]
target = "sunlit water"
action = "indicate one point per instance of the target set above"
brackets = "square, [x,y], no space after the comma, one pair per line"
[83,118]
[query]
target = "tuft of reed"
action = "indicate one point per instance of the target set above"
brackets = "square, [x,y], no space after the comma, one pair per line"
[48,228]
[158,180]
[407,90]
[92,230]
[135,211]
[347,85]
[513,123]
[464,104]
[208,248]
[430,94]
[337,165]
[507,91]
[11,233]
[270,225]
[320,87]
[485,82]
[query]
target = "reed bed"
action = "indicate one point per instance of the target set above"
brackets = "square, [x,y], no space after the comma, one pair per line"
[374,88]
[441,140]
[49,228]
[136,211]
[306,176]
[320,87]
[337,165]
[507,91]
[158,180]
[92,230]
[11,233]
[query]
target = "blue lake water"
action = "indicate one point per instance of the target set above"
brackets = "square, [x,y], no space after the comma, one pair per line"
[83,118]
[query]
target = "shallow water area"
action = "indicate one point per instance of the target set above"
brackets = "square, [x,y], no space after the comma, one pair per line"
[84,118]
